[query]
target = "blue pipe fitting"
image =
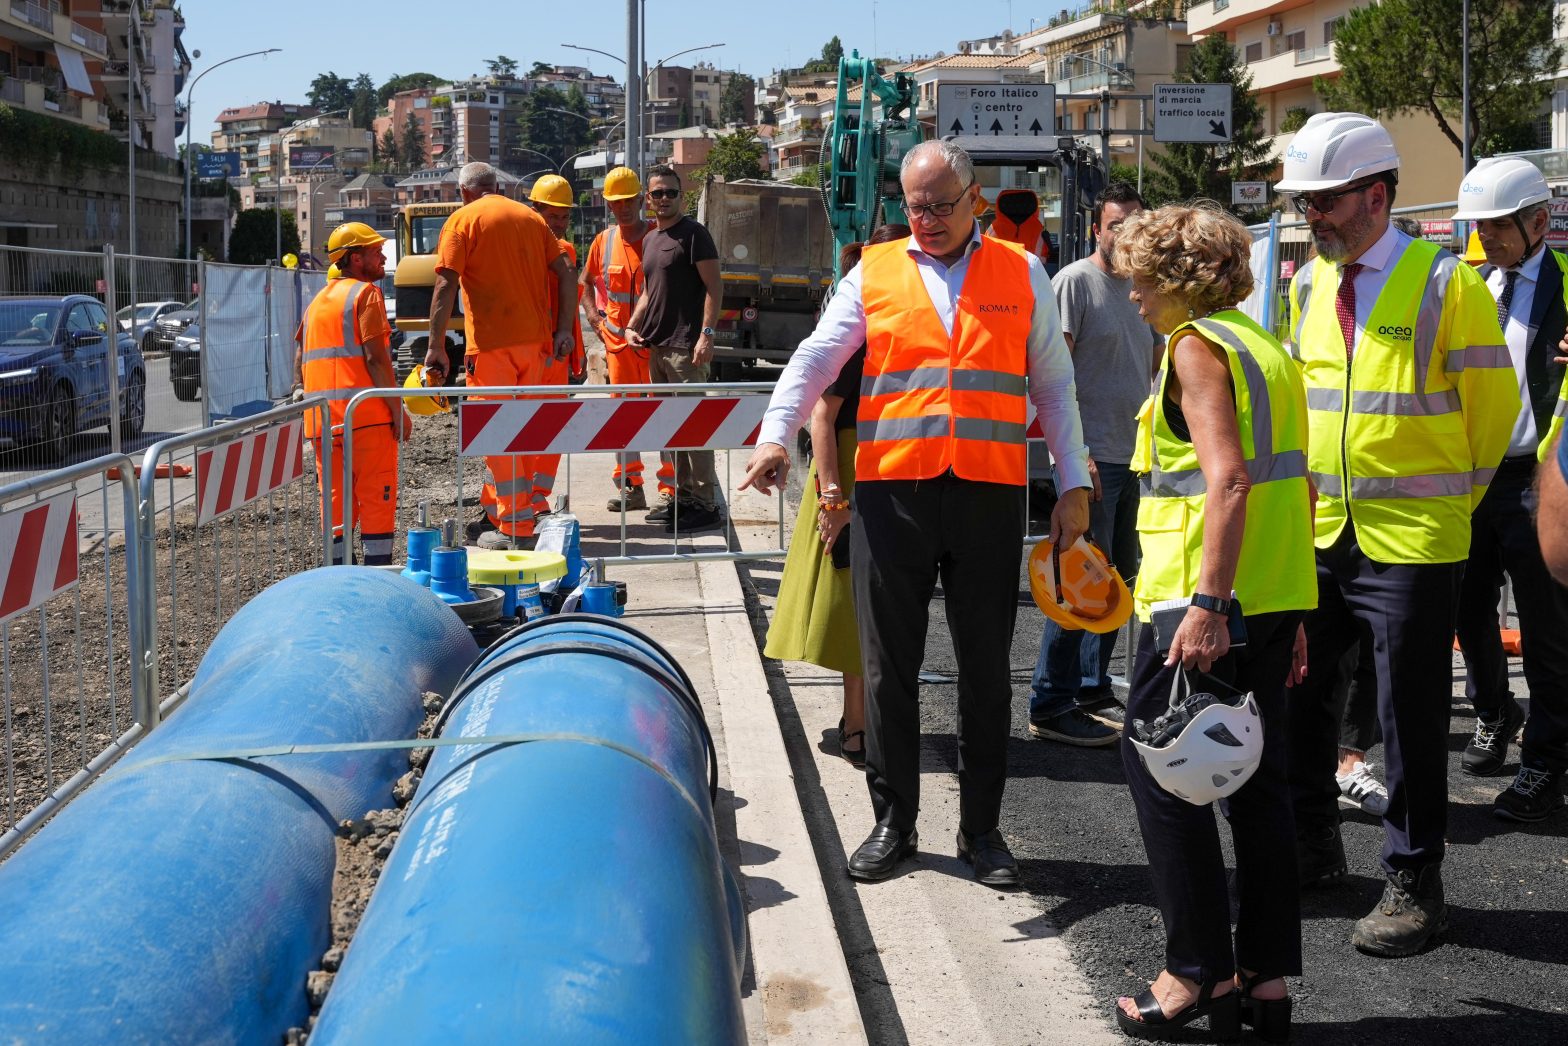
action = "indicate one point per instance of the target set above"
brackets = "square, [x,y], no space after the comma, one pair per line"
[449,575]
[185,896]
[421,542]
[568,888]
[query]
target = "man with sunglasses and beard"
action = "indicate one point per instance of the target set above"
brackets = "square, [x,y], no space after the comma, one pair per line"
[674,321]
[1411,397]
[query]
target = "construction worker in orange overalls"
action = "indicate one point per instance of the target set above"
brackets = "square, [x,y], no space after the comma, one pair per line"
[551,196]
[613,271]
[500,253]
[342,349]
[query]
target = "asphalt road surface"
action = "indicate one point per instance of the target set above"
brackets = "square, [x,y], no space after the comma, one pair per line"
[1497,976]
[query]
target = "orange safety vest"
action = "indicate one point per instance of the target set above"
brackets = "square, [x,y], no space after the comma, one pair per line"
[577,356]
[932,401]
[619,284]
[1028,234]
[334,363]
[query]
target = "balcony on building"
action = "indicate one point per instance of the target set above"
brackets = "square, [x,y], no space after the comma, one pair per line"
[1217,16]
[1292,67]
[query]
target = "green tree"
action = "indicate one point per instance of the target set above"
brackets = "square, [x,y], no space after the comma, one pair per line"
[411,144]
[406,82]
[362,111]
[389,151]
[544,127]
[812,176]
[254,239]
[539,69]
[832,51]
[1187,171]
[330,92]
[1403,56]
[502,66]
[738,155]
[737,103]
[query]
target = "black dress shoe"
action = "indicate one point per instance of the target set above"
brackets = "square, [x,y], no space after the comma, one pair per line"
[993,861]
[878,856]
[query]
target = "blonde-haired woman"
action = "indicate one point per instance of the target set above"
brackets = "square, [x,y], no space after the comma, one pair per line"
[1225,515]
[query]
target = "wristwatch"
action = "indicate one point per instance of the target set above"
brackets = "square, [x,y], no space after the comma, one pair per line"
[709,332]
[1214,604]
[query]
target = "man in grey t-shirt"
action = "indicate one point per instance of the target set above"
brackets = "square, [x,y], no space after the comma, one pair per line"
[1113,357]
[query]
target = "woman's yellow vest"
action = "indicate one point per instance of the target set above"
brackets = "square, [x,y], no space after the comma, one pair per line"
[1277,569]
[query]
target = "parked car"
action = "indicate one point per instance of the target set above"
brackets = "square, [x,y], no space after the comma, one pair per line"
[146,318]
[169,327]
[54,372]
[185,362]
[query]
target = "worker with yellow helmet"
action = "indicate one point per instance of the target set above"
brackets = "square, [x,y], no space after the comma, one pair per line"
[343,348]
[613,271]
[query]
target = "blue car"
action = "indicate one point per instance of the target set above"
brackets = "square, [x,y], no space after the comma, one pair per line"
[54,373]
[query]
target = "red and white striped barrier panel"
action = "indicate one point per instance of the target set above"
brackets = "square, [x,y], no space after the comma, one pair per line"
[232,475]
[489,427]
[37,553]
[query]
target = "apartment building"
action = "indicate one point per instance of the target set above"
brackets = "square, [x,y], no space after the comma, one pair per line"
[67,60]
[242,129]
[474,119]
[696,94]
[801,112]
[400,107]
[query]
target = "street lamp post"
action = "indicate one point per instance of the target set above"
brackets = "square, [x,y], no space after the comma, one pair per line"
[190,252]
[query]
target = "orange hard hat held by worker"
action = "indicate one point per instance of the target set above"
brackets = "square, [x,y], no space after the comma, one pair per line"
[343,348]
[501,253]
[612,274]
[551,197]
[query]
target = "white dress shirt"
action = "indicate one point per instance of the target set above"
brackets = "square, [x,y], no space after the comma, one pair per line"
[842,329]
[1377,262]
[1517,333]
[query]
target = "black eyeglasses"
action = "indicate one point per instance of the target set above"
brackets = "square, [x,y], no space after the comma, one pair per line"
[1324,202]
[663,194]
[936,210]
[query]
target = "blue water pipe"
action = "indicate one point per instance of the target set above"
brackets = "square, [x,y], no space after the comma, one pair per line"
[564,889]
[183,898]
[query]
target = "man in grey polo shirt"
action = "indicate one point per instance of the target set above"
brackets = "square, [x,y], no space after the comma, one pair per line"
[1113,359]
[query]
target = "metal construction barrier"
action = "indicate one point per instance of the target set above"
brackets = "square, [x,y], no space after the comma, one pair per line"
[67,636]
[223,513]
[580,423]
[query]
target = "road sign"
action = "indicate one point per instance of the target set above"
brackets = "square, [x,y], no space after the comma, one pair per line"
[1192,113]
[1557,230]
[1249,194]
[997,110]
[218,164]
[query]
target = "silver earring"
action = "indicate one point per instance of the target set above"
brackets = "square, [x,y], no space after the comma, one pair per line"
[1191,314]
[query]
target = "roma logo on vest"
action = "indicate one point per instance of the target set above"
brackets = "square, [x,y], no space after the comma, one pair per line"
[1004,308]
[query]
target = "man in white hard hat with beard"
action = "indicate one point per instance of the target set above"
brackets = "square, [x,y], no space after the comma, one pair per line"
[1507,199]
[1410,400]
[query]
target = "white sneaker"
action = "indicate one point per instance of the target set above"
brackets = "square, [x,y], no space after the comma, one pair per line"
[1359,790]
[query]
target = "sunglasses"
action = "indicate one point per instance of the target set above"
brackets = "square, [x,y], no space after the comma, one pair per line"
[1325,202]
[663,194]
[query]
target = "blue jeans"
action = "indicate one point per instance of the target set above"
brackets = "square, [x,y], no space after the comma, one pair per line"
[1072,661]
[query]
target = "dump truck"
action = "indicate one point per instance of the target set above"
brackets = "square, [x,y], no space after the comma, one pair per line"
[414,279]
[776,259]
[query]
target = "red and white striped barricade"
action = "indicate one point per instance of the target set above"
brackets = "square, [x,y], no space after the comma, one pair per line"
[37,553]
[232,475]
[570,426]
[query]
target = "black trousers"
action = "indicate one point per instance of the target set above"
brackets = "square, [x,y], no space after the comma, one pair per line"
[1409,610]
[1183,842]
[1502,540]
[907,534]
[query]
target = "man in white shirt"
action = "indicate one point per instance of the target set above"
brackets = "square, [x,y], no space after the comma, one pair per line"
[1507,199]
[940,477]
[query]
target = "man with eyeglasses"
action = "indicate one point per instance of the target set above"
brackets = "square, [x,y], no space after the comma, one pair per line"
[1410,399]
[961,333]
[674,321]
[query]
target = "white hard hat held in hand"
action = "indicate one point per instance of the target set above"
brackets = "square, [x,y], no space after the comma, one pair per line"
[1335,149]
[1500,186]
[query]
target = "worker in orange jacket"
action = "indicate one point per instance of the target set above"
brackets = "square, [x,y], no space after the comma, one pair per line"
[343,348]
[613,271]
[551,197]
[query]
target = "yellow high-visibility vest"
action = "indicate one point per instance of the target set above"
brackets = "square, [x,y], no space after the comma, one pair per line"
[1406,436]
[1277,568]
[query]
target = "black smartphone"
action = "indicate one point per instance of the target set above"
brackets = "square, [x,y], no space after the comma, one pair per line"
[1166,618]
[841,548]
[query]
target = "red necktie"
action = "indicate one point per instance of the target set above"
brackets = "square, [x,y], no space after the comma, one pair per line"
[1345,305]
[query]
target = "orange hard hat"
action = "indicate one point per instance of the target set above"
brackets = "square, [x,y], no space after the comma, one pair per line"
[1080,588]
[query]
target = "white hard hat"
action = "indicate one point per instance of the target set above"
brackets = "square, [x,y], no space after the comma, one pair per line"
[1205,748]
[1334,149]
[1500,186]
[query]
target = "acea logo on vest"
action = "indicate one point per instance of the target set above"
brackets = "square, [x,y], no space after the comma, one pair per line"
[1396,332]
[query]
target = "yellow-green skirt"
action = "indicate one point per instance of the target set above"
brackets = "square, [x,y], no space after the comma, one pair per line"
[814,616]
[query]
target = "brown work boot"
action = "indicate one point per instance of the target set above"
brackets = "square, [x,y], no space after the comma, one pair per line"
[1408,917]
[629,499]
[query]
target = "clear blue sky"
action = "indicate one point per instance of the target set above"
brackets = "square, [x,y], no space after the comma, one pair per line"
[454,37]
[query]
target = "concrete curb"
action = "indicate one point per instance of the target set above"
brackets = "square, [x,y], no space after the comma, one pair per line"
[797,958]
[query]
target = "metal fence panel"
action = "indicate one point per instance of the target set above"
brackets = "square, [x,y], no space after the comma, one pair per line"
[235,340]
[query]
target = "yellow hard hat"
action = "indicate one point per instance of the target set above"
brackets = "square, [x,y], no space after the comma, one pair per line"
[424,406]
[622,184]
[552,189]
[352,234]
[290,261]
[1080,589]
[1473,252]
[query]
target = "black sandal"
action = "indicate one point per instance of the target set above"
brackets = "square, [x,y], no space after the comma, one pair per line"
[1223,1011]
[1270,1018]
[854,757]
